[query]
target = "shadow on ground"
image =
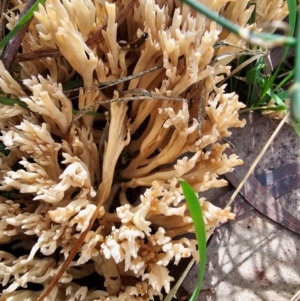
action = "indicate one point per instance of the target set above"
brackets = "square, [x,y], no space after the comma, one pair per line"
[253,258]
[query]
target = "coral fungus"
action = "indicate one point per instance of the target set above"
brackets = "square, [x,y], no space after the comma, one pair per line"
[128,155]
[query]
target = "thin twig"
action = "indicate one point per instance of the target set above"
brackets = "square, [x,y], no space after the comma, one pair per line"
[201,109]
[3,9]
[263,108]
[261,39]
[37,55]
[226,55]
[148,96]
[115,81]
[252,167]
[102,86]
[296,296]
[175,288]
[224,44]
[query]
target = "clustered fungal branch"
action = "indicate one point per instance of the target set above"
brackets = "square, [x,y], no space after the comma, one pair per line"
[109,186]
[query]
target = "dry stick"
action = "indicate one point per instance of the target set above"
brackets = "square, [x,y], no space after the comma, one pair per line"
[296,296]
[37,55]
[238,54]
[3,9]
[13,45]
[145,97]
[224,43]
[257,159]
[115,82]
[201,110]
[174,289]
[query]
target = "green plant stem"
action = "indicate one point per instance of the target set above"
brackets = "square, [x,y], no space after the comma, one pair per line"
[265,39]
[294,91]
[12,102]
[263,108]
[21,23]
[14,43]
[285,79]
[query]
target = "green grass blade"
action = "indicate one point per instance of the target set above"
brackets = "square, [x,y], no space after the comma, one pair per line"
[253,15]
[12,102]
[295,106]
[197,216]
[292,7]
[263,108]
[254,80]
[294,91]
[279,101]
[283,94]
[21,23]
[253,37]
[286,79]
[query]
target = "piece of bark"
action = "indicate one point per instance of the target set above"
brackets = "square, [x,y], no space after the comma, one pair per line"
[3,9]
[11,49]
